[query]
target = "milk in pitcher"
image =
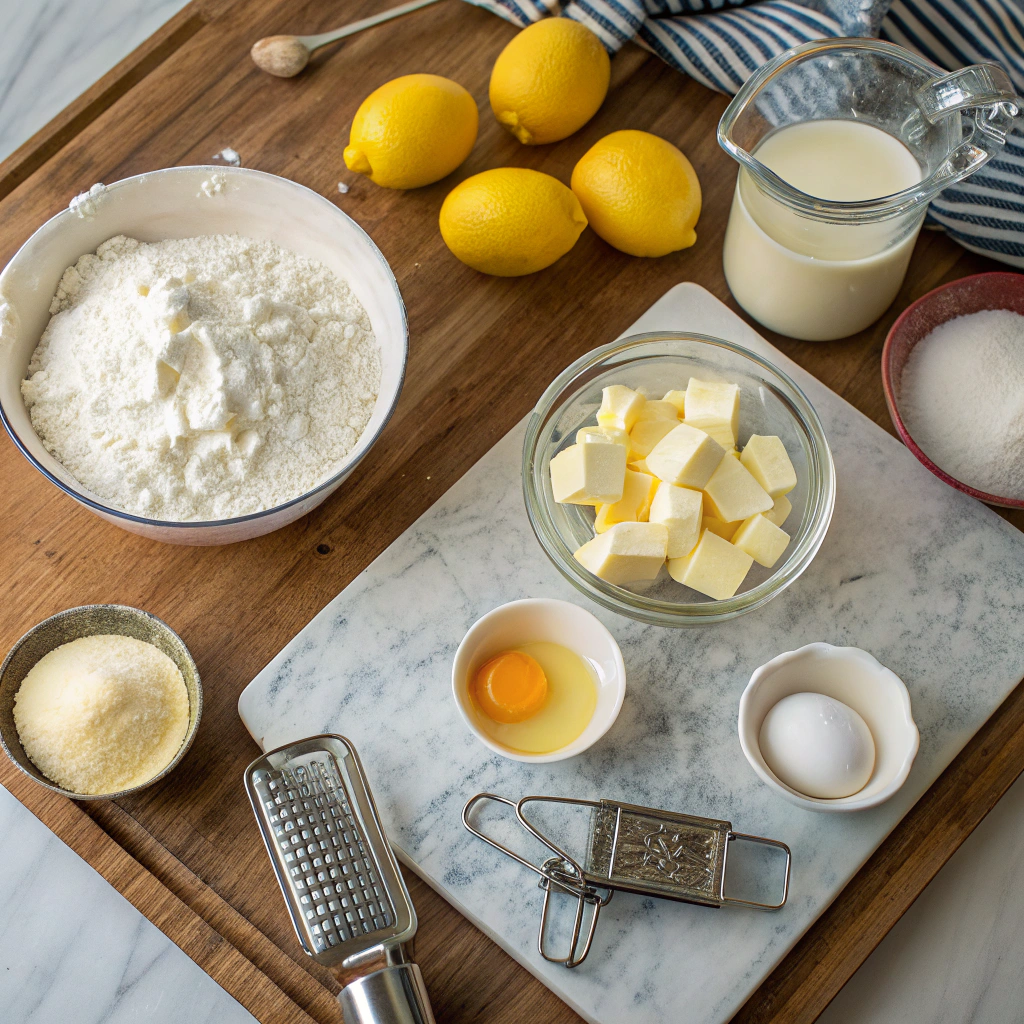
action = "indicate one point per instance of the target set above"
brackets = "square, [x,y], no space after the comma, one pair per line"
[815,279]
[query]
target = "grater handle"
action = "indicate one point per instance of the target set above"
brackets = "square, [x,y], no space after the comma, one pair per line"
[392,995]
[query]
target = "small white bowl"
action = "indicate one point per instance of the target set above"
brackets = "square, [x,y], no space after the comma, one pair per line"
[530,621]
[860,681]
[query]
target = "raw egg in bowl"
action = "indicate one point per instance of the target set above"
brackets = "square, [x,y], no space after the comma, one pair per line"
[538,680]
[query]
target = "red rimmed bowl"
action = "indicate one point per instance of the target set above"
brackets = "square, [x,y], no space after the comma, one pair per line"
[995,290]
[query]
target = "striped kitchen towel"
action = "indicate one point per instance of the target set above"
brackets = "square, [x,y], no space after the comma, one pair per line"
[722,42]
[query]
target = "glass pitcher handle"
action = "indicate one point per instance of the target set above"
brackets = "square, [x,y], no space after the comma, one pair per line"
[984,88]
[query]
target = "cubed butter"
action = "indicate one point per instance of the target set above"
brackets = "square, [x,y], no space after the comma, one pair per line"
[678,399]
[679,510]
[633,507]
[779,512]
[762,540]
[720,430]
[588,474]
[769,464]
[602,435]
[715,568]
[724,530]
[646,434]
[686,457]
[714,401]
[640,466]
[627,553]
[660,410]
[732,493]
[734,452]
[620,407]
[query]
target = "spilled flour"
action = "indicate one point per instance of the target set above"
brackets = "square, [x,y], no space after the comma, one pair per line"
[201,378]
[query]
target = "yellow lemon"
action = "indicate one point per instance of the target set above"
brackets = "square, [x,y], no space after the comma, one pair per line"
[412,131]
[510,221]
[639,193]
[549,81]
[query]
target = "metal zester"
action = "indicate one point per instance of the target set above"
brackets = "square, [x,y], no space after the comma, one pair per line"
[341,883]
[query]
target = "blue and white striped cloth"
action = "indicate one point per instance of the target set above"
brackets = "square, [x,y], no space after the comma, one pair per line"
[722,42]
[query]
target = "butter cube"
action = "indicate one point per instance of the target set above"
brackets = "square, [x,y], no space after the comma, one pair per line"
[715,567]
[588,474]
[720,430]
[734,452]
[602,435]
[633,507]
[640,466]
[678,399]
[620,407]
[714,401]
[679,510]
[627,553]
[661,410]
[732,493]
[769,464]
[686,457]
[724,530]
[779,512]
[762,540]
[646,434]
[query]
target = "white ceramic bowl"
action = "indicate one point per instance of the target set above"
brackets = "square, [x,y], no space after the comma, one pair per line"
[170,204]
[530,621]
[860,681]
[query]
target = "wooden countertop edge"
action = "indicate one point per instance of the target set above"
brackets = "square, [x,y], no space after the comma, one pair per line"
[202,941]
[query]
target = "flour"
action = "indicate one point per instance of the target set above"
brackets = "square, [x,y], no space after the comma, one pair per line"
[201,378]
[963,400]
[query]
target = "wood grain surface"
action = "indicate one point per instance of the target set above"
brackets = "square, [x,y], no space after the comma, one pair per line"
[187,852]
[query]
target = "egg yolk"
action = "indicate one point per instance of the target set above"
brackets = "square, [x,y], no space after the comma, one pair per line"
[511,687]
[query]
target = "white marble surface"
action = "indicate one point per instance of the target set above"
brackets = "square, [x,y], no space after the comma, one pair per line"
[74,951]
[928,580]
[53,50]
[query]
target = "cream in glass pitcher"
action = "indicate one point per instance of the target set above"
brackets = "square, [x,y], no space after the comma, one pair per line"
[841,146]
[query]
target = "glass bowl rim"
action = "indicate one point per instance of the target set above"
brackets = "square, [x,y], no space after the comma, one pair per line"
[821,495]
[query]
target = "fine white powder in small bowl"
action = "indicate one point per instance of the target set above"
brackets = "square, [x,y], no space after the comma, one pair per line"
[102,714]
[201,379]
[962,400]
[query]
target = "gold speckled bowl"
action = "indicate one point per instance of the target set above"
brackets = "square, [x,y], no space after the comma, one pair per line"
[91,620]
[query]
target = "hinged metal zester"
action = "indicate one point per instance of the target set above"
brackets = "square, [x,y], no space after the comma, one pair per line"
[634,849]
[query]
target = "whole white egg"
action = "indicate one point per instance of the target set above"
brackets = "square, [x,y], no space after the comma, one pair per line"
[818,746]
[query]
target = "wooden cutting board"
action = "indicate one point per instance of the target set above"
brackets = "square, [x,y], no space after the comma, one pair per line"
[187,852]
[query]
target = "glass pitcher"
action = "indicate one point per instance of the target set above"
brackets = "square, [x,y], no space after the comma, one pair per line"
[819,269]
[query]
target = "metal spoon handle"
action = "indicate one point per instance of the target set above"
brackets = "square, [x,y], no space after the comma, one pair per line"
[315,42]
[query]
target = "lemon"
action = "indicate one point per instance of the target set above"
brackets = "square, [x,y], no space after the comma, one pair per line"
[639,193]
[510,221]
[549,81]
[412,131]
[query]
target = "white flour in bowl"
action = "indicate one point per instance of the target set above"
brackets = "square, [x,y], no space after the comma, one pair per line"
[201,378]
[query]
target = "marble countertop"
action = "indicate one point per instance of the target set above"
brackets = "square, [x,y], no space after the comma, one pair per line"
[71,948]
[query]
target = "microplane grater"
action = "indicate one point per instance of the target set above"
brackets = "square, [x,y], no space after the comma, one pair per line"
[341,882]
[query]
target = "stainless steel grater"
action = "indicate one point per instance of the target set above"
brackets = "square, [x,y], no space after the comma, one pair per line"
[341,883]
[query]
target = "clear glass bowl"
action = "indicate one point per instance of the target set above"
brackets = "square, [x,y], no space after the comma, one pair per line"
[770,403]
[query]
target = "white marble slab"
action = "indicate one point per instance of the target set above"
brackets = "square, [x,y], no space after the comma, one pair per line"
[928,580]
[74,951]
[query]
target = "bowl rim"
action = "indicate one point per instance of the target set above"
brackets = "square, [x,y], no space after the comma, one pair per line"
[679,614]
[558,607]
[889,387]
[186,743]
[836,804]
[348,465]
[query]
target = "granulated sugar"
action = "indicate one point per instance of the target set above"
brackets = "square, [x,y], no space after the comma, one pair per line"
[962,400]
[201,378]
